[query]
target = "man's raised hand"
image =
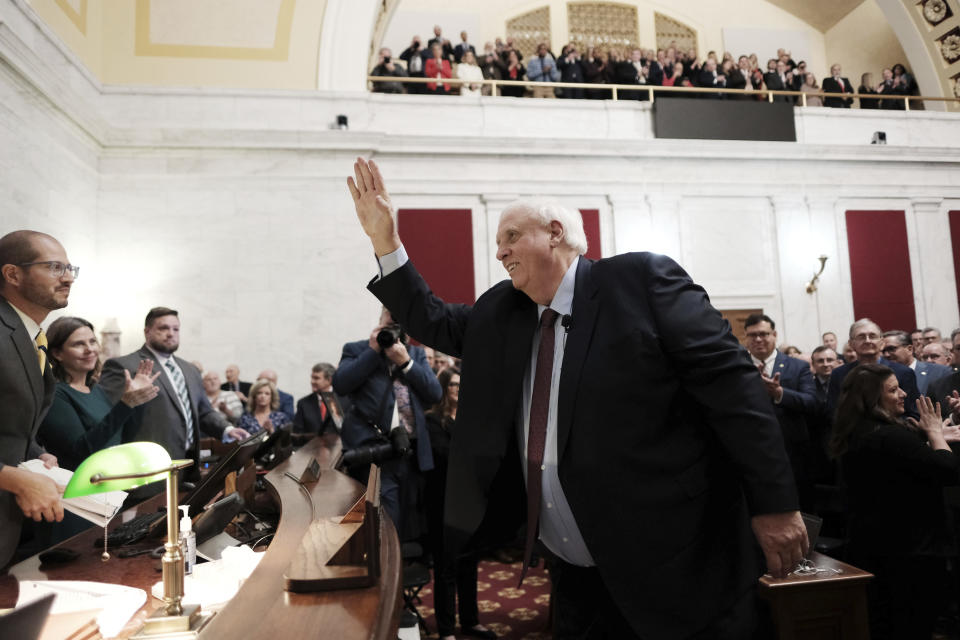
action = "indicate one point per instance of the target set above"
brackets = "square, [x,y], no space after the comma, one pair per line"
[373,206]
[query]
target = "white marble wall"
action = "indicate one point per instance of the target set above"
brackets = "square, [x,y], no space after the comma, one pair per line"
[231,206]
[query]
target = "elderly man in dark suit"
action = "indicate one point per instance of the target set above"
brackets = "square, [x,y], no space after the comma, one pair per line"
[898,347]
[181,411]
[793,395]
[644,457]
[837,84]
[36,279]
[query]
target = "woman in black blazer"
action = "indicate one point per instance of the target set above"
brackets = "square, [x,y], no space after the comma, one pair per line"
[454,583]
[895,471]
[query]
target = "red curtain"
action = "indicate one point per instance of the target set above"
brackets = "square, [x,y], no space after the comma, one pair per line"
[440,244]
[955,243]
[591,226]
[880,268]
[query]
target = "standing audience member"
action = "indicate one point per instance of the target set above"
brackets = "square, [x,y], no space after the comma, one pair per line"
[285,399]
[514,72]
[594,67]
[898,348]
[234,383]
[810,87]
[543,68]
[823,361]
[830,340]
[867,341]
[866,87]
[313,415]
[262,410]
[895,471]
[936,353]
[468,70]
[931,334]
[438,68]
[226,403]
[387,67]
[836,83]
[463,48]
[789,385]
[438,39]
[890,86]
[571,70]
[82,419]
[955,349]
[36,279]
[414,57]
[176,418]
[491,66]
[454,581]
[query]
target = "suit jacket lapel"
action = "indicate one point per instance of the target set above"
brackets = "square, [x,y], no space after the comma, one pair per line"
[26,349]
[586,304]
[779,364]
[521,323]
[163,379]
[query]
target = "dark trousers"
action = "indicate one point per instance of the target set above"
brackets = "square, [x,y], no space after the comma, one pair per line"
[583,609]
[455,589]
[905,596]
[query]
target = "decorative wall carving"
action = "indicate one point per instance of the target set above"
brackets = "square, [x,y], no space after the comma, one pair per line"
[950,46]
[605,24]
[935,11]
[670,30]
[530,29]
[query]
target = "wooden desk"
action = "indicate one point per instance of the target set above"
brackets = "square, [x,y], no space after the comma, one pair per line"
[822,606]
[262,608]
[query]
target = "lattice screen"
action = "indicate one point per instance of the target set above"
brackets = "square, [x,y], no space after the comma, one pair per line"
[604,24]
[530,29]
[669,30]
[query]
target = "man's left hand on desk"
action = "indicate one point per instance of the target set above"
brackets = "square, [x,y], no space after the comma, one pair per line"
[783,538]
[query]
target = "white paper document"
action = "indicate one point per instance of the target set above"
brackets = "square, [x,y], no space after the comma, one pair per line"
[98,508]
[116,603]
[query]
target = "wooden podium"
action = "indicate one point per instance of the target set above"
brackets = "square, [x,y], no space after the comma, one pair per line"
[822,606]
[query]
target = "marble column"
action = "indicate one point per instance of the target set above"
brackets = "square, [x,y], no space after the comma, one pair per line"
[931,264]
[798,324]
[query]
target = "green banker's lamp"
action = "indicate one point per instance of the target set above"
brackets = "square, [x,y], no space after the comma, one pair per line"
[131,465]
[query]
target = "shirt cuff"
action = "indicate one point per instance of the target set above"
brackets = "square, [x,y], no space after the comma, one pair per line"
[392,261]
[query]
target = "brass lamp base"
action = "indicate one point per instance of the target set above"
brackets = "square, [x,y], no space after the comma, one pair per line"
[161,625]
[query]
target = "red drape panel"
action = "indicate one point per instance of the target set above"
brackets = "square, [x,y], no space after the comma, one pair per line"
[880,268]
[440,244]
[955,243]
[591,226]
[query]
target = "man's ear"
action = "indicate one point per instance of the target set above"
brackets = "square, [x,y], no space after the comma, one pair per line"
[557,233]
[10,274]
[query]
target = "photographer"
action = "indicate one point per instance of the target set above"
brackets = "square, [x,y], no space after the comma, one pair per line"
[385,377]
[387,67]
[413,56]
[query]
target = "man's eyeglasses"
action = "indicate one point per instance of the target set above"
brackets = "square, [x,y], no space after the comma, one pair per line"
[889,350]
[453,385]
[759,335]
[57,269]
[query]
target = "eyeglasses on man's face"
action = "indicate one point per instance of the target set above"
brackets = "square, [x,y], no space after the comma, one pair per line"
[57,268]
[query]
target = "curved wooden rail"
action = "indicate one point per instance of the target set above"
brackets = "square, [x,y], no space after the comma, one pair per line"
[262,609]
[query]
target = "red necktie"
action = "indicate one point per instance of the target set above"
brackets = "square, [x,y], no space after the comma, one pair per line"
[537,437]
[323,409]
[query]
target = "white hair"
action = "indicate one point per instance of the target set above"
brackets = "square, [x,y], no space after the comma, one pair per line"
[863,322]
[547,211]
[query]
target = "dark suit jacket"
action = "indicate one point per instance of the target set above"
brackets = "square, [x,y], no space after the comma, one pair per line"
[905,376]
[928,373]
[363,376]
[736,81]
[772,81]
[943,387]
[308,418]
[832,86]
[161,420]
[656,398]
[244,387]
[459,50]
[799,398]
[25,397]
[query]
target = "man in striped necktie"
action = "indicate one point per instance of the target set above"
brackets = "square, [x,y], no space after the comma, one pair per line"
[181,413]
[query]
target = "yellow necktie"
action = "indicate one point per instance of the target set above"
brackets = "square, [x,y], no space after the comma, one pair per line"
[42,350]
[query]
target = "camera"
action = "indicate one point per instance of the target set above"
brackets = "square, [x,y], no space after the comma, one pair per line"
[386,59]
[397,447]
[390,335]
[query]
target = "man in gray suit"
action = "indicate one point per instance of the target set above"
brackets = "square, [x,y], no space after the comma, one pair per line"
[36,280]
[181,410]
[898,347]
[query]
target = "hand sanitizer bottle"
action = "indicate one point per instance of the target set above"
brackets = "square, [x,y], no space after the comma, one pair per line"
[188,541]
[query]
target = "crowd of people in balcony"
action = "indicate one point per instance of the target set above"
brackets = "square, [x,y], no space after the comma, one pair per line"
[671,66]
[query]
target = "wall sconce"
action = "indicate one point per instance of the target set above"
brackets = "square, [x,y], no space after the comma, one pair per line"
[812,285]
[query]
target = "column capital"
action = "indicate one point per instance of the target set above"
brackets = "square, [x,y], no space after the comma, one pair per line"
[926,205]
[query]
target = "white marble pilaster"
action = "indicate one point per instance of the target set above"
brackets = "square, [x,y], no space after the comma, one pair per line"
[834,296]
[664,229]
[632,223]
[798,261]
[494,204]
[931,264]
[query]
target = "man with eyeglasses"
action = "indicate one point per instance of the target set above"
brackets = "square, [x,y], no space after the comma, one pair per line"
[789,385]
[866,338]
[936,352]
[946,390]
[37,277]
[898,347]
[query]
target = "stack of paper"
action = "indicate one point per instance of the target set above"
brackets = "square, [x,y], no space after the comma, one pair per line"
[115,604]
[98,508]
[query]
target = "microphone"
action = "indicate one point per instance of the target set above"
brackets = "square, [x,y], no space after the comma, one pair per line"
[566,321]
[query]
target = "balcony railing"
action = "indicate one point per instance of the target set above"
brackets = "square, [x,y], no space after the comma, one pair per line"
[653,90]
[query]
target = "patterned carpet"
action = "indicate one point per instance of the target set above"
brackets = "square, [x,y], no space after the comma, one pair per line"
[515,614]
